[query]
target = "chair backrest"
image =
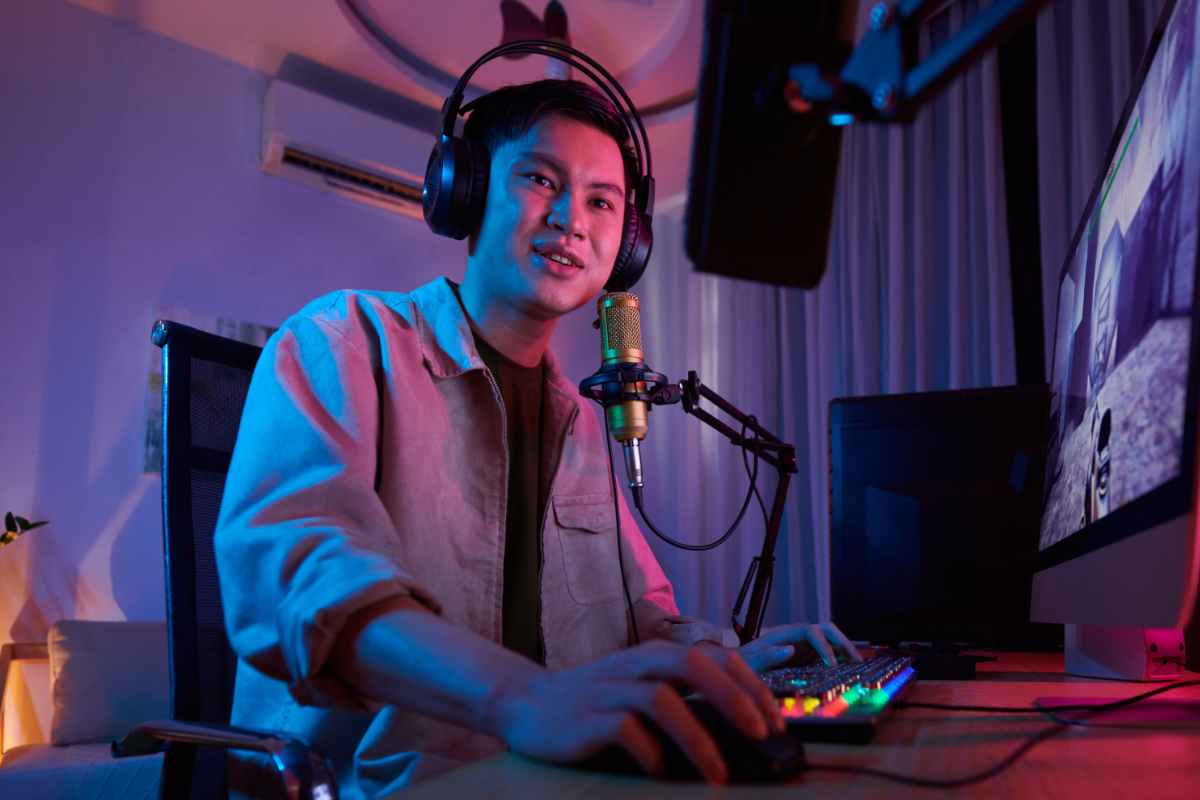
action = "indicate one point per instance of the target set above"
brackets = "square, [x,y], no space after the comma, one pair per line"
[205,381]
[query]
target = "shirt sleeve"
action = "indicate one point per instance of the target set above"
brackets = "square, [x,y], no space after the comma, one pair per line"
[303,540]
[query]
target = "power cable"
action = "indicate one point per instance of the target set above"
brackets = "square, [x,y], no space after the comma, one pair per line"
[1060,726]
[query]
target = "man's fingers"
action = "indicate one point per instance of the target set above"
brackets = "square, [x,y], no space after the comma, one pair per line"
[676,719]
[640,743]
[803,633]
[768,658]
[812,635]
[732,689]
[660,703]
[745,675]
[820,637]
[840,641]
[748,679]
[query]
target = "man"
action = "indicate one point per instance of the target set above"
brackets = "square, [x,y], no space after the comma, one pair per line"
[417,549]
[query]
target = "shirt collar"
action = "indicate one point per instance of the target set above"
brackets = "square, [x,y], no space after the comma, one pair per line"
[447,343]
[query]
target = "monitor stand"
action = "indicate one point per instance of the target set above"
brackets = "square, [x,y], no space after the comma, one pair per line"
[1125,654]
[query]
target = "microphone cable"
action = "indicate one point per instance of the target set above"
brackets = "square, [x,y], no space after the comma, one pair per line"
[752,420]
[766,521]
[751,492]
[612,476]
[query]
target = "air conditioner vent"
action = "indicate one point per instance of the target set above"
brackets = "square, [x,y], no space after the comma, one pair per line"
[348,178]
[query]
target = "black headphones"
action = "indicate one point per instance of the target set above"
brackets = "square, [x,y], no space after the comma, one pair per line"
[456,177]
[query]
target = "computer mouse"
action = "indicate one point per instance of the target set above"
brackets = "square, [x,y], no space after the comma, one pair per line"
[775,758]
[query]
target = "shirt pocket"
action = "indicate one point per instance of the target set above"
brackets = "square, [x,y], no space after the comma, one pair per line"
[588,534]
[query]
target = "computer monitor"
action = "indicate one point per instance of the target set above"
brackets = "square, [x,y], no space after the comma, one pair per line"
[756,164]
[935,499]
[1118,543]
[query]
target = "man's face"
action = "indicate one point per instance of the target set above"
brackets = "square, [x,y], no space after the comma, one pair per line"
[552,225]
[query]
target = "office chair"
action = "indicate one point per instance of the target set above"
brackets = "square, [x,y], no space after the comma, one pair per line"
[205,381]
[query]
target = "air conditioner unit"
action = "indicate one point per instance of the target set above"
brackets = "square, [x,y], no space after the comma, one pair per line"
[319,142]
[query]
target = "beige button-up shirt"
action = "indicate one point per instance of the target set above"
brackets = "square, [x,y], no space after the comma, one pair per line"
[371,462]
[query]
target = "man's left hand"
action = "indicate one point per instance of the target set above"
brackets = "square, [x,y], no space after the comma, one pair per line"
[784,644]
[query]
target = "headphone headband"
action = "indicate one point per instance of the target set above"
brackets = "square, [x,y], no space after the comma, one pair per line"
[453,105]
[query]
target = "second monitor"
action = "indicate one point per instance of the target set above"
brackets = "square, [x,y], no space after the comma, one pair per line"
[934,516]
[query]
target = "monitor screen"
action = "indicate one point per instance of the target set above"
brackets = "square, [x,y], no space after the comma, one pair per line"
[757,164]
[1123,343]
[934,505]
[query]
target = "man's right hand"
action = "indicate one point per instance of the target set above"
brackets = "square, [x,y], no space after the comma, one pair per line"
[569,716]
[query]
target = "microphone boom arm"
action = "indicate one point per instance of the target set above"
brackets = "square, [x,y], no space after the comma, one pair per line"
[884,80]
[783,459]
[634,381]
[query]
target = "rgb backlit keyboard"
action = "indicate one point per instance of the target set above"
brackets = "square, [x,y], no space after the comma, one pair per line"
[845,702]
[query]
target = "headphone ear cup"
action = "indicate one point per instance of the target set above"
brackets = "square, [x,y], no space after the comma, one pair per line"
[637,240]
[439,186]
[455,186]
[479,167]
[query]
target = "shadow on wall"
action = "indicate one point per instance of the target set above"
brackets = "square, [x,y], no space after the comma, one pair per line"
[65,570]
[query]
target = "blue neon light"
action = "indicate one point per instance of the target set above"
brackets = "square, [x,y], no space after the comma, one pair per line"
[841,119]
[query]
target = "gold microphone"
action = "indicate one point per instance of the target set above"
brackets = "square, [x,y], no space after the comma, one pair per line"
[621,342]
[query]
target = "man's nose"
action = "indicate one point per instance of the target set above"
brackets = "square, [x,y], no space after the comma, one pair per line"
[567,215]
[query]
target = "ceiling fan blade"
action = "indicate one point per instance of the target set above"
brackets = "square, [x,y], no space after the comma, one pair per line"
[556,23]
[519,23]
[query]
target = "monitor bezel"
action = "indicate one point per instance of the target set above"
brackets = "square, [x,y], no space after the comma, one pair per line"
[1175,497]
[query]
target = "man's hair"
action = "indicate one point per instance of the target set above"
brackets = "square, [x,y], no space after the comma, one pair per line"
[509,113]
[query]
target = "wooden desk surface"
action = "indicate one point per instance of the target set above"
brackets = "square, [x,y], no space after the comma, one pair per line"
[1096,763]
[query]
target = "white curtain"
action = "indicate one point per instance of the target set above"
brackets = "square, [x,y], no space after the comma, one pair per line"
[916,297]
[1087,55]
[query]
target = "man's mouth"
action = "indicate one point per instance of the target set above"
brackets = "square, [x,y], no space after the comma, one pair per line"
[557,257]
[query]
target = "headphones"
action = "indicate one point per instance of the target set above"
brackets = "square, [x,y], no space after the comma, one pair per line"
[456,177]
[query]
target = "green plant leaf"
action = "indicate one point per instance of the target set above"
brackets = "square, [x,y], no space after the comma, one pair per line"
[10,524]
[33,525]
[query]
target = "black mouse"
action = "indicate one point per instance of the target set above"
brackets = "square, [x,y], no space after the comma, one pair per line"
[775,758]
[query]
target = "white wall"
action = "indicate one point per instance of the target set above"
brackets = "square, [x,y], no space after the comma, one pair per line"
[129,176]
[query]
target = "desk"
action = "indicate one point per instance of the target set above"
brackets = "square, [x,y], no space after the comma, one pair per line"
[1096,763]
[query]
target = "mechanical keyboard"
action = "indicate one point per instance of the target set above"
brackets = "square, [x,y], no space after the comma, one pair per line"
[842,703]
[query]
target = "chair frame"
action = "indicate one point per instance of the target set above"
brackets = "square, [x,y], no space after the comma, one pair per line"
[303,770]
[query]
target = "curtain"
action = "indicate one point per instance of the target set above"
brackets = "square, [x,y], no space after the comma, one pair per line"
[1087,55]
[916,297]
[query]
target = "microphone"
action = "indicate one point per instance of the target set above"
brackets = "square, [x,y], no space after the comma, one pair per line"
[621,343]
[624,385]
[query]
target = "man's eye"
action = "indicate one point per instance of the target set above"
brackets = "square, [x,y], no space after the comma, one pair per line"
[602,203]
[541,180]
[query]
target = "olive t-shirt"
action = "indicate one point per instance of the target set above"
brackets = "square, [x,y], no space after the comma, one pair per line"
[521,393]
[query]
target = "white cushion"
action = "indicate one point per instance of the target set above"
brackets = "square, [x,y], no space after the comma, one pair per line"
[106,678]
[78,772]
